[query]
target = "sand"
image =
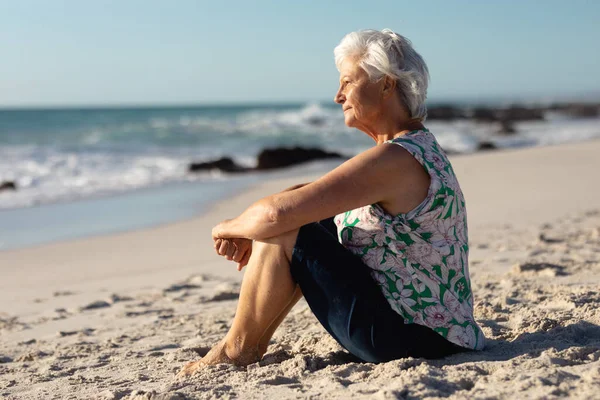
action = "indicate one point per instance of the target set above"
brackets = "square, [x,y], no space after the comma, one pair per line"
[115,317]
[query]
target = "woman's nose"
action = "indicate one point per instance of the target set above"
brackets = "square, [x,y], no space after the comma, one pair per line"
[339,97]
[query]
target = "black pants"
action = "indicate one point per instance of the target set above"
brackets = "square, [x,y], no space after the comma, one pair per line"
[348,302]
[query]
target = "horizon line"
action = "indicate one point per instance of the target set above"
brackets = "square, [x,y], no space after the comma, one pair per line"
[441,100]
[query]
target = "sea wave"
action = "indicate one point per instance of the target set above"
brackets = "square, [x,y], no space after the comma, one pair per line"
[59,156]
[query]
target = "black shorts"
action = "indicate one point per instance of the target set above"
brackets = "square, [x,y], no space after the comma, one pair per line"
[348,302]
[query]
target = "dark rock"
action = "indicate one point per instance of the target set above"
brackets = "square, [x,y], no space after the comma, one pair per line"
[445,113]
[4,359]
[484,146]
[583,110]
[507,128]
[224,164]
[518,113]
[8,185]
[513,113]
[285,157]
[482,114]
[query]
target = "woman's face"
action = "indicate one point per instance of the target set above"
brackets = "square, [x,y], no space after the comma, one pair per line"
[361,100]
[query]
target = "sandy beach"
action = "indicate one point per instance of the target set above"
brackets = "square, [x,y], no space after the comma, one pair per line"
[115,317]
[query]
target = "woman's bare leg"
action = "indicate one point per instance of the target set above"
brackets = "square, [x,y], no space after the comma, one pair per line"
[267,294]
[266,338]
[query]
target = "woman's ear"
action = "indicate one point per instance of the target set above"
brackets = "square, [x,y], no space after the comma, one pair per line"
[389,86]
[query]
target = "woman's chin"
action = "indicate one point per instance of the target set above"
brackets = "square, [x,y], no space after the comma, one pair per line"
[350,122]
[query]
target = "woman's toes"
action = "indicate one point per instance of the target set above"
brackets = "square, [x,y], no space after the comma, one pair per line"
[190,369]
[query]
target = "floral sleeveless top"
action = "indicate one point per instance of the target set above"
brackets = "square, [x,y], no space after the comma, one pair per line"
[420,259]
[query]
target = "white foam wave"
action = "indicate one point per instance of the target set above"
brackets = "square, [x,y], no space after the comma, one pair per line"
[140,153]
[44,176]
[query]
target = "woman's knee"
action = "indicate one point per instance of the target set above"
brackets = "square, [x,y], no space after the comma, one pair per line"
[284,243]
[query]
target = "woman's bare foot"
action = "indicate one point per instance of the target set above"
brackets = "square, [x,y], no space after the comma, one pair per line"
[219,355]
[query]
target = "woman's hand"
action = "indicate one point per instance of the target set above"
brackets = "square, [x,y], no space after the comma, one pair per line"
[234,249]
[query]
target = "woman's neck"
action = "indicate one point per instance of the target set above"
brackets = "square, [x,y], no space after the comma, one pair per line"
[398,130]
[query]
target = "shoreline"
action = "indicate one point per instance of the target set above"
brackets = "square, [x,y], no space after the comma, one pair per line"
[130,217]
[192,199]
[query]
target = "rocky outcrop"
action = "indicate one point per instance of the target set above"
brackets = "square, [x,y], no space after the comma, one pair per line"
[224,164]
[482,114]
[485,146]
[445,113]
[514,113]
[8,185]
[267,159]
[518,113]
[285,157]
[583,110]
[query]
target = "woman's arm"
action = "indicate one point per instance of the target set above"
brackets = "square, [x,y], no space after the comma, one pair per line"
[298,186]
[381,173]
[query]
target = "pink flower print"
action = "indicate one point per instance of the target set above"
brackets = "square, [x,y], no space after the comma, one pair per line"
[435,185]
[448,179]
[361,237]
[366,216]
[454,306]
[436,159]
[426,220]
[379,278]
[404,298]
[443,235]
[423,254]
[386,292]
[455,261]
[423,139]
[375,259]
[419,285]
[379,235]
[464,337]
[418,319]
[437,316]
[404,275]
[344,235]
[461,227]
[391,261]
[397,228]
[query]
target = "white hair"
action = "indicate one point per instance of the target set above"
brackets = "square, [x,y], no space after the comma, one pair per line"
[385,53]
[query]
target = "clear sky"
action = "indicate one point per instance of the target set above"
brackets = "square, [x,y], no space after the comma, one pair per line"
[101,52]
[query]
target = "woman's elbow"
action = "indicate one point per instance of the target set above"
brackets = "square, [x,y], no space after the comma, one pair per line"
[269,213]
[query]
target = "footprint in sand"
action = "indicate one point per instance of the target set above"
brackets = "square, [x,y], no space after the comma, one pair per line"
[95,305]
[544,269]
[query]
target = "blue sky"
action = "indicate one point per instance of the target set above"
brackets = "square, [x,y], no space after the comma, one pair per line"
[85,52]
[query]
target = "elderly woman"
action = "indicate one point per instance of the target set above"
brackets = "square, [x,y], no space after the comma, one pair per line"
[378,246]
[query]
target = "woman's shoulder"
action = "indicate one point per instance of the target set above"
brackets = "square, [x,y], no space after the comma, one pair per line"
[422,138]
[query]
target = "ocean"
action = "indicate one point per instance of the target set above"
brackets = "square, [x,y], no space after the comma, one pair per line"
[69,162]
